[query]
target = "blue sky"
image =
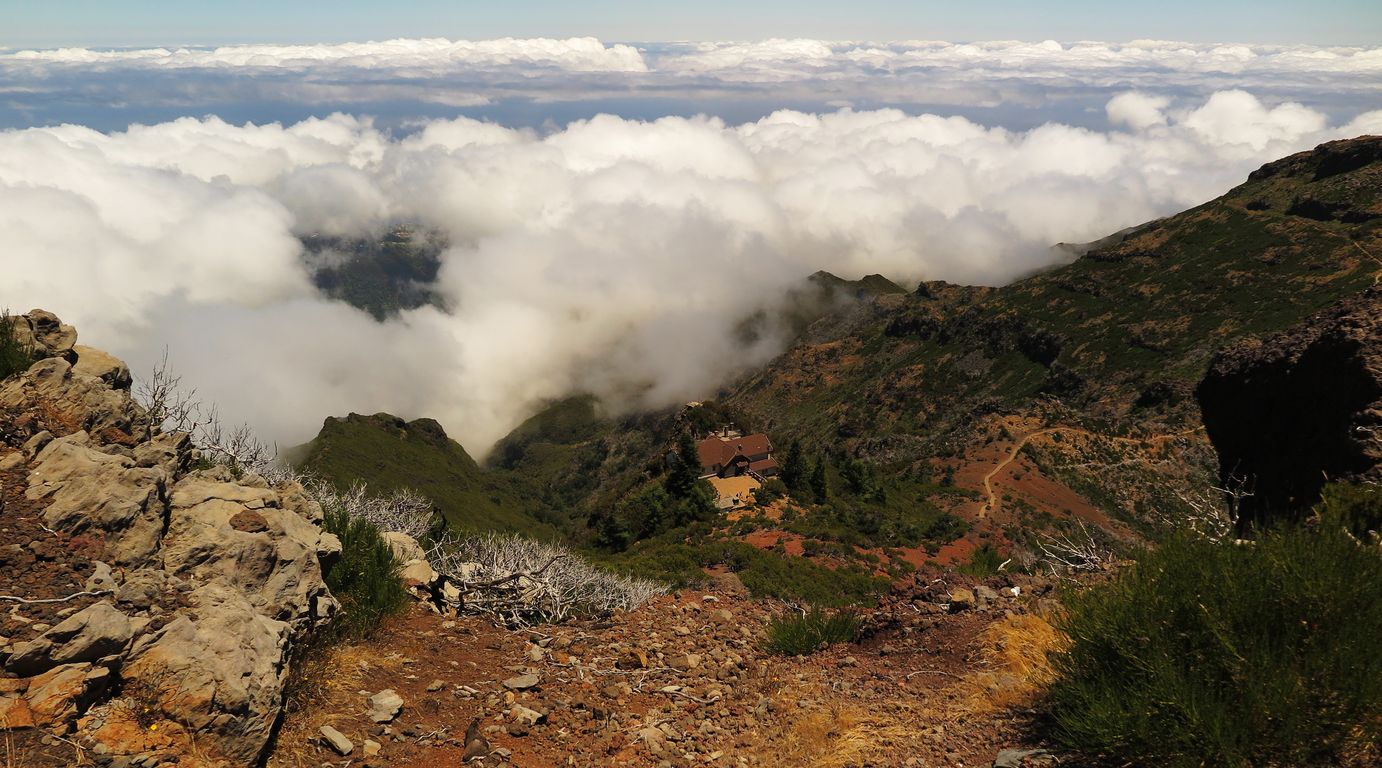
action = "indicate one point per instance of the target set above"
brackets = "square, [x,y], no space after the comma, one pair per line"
[112,23]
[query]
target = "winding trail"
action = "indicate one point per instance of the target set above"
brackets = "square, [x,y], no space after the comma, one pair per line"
[1012,456]
[1020,444]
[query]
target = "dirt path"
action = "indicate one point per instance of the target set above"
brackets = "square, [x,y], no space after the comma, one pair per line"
[1012,456]
[992,496]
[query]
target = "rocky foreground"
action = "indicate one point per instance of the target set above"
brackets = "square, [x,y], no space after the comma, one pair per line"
[150,609]
[152,605]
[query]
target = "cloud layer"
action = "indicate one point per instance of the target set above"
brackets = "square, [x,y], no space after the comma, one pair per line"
[612,255]
[519,80]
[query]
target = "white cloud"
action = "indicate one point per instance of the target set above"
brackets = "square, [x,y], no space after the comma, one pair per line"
[612,255]
[1138,111]
[45,86]
[577,54]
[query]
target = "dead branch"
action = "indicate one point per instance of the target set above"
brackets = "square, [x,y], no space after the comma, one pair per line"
[48,600]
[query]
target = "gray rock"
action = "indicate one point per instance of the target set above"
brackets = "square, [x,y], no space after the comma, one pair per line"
[336,740]
[522,682]
[102,578]
[404,547]
[96,631]
[89,491]
[1023,758]
[219,670]
[385,706]
[221,531]
[106,367]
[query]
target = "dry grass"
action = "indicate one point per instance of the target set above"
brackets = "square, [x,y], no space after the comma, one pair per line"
[315,696]
[1014,666]
[842,735]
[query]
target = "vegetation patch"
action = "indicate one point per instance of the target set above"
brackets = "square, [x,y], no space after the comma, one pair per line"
[800,634]
[365,577]
[15,357]
[1215,654]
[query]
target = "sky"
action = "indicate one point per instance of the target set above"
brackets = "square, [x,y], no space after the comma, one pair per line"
[613,212]
[103,23]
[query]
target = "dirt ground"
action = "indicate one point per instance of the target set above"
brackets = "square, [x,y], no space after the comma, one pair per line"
[681,681]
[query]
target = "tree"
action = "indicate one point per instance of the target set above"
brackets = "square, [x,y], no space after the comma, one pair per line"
[819,486]
[794,471]
[684,470]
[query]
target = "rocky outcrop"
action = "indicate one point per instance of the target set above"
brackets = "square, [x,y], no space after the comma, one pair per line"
[198,584]
[1287,412]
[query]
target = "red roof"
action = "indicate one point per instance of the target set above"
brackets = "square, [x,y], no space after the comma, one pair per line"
[718,452]
[764,466]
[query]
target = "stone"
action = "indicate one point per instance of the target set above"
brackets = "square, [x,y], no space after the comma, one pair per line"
[14,713]
[371,748]
[685,662]
[106,367]
[336,740]
[87,635]
[1321,382]
[91,492]
[436,685]
[961,600]
[983,593]
[249,521]
[525,715]
[418,573]
[404,547]
[57,696]
[87,402]
[522,682]
[218,669]
[278,574]
[49,335]
[102,578]
[385,706]
[1024,758]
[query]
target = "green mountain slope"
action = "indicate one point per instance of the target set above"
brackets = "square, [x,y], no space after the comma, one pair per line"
[1120,335]
[388,453]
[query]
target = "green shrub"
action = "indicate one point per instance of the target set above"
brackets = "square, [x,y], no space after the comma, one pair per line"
[983,563]
[365,577]
[1354,508]
[798,634]
[14,356]
[1207,654]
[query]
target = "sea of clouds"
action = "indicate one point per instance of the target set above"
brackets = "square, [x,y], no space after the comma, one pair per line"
[608,255]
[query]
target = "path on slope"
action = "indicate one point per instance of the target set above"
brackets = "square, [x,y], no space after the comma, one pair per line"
[992,496]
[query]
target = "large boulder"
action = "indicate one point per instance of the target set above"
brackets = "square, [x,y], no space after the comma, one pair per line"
[67,401]
[1288,411]
[94,632]
[101,365]
[42,332]
[107,495]
[224,532]
[218,670]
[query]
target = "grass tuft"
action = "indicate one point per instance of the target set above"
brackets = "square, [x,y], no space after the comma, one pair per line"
[800,634]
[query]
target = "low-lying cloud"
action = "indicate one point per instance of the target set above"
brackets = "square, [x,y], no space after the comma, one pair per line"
[611,255]
[526,81]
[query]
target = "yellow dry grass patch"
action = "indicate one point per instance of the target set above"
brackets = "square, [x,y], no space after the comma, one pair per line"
[315,697]
[1014,663]
[841,735]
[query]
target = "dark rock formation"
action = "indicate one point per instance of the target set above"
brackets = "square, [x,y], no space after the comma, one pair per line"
[1289,412]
